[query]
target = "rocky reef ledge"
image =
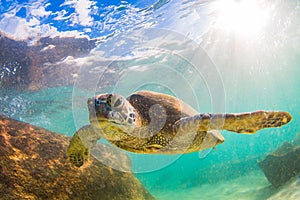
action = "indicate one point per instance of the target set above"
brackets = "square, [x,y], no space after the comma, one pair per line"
[33,165]
[282,165]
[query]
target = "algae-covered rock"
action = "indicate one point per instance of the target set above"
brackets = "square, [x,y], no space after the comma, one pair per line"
[283,164]
[34,165]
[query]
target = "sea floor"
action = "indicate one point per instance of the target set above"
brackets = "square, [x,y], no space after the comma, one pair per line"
[253,186]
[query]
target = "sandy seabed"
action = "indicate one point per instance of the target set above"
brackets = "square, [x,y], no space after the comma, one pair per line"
[253,186]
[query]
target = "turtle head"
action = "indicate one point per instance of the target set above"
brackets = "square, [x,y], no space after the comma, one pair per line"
[111,112]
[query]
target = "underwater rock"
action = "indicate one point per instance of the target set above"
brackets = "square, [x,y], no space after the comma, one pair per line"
[40,65]
[289,191]
[283,164]
[34,165]
[13,63]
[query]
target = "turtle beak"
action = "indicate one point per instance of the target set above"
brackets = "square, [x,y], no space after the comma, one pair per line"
[98,109]
[92,109]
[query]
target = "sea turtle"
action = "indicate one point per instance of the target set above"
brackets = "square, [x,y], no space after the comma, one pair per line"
[151,122]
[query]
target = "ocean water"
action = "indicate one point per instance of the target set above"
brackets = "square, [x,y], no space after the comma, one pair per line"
[218,56]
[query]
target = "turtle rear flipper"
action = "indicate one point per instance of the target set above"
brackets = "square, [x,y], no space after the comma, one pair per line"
[241,122]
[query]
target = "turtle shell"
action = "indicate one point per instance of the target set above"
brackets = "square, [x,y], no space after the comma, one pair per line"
[160,108]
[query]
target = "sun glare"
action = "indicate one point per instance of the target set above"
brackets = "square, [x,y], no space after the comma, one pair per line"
[244,17]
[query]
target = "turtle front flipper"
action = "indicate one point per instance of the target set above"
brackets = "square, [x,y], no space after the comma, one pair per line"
[81,144]
[241,122]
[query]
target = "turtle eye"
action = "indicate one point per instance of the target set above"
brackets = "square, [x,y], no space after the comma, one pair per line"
[117,103]
[99,101]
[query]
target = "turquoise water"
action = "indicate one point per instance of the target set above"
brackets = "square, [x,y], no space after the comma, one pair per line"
[180,49]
